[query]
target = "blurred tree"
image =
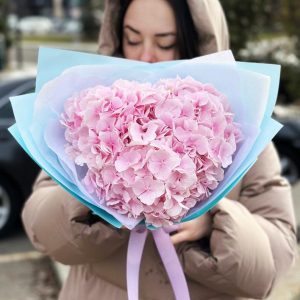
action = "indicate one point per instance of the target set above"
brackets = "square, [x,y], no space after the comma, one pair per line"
[250,20]
[291,22]
[89,21]
[246,19]
[4,38]
[3,6]
[291,19]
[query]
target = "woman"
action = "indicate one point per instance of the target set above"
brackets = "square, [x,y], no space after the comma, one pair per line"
[236,251]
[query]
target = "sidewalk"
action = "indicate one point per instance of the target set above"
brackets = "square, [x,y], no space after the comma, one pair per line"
[27,70]
[27,276]
[296,198]
[29,54]
[289,287]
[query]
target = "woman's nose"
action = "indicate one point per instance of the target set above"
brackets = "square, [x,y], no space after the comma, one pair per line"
[148,54]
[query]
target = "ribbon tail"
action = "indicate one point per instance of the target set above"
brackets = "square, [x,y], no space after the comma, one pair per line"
[172,264]
[134,256]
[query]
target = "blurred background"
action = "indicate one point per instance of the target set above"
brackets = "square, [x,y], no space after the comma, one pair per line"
[261,31]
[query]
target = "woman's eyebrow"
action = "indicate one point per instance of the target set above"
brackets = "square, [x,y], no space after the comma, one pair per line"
[162,34]
[132,29]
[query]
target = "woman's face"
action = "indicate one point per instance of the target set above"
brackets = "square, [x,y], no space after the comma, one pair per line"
[149,31]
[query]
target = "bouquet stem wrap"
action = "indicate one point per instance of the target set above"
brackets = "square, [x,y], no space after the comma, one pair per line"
[168,256]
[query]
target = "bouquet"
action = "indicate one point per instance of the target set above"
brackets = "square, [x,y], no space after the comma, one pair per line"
[147,145]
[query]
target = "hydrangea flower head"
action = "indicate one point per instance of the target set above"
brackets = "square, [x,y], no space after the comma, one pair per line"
[151,150]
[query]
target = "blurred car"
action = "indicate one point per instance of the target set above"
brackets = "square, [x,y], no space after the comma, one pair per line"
[17,170]
[287,141]
[35,25]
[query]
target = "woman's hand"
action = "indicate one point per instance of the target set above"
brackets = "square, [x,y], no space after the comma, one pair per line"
[193,230]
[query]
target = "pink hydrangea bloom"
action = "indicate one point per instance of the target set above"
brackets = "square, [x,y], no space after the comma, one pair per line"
[151,150]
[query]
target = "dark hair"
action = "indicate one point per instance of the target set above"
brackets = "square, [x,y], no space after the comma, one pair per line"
[187,36]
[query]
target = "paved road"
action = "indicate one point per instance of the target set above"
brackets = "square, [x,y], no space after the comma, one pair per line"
[16,242]
[25,274]
[29,51]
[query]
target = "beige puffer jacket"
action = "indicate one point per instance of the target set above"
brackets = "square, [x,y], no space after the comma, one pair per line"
[251,246]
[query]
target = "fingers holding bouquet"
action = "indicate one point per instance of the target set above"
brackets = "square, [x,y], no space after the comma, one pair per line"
[192,230]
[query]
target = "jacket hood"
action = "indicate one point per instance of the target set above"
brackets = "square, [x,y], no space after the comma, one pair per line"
[207,15]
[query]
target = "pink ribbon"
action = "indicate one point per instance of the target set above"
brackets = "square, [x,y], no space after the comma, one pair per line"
[134,256]
[169,258]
